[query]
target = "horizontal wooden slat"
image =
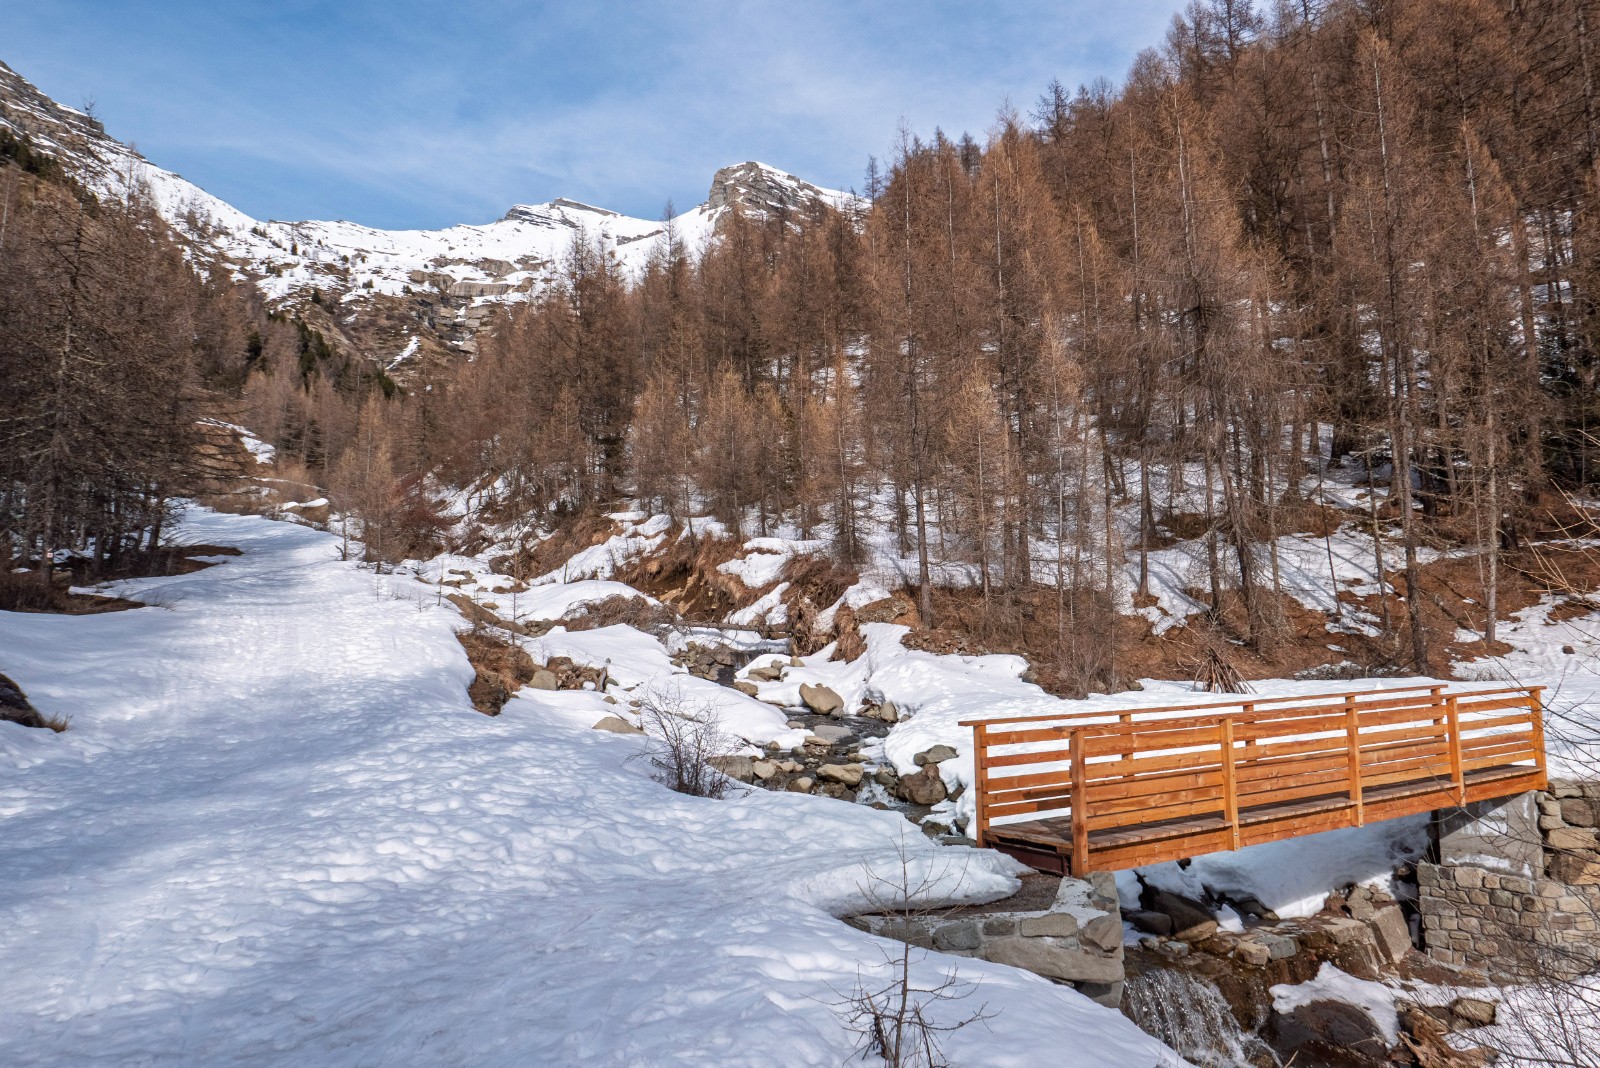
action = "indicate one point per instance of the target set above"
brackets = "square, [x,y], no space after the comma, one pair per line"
[1011,760]
[1499,760]
[1187,738]
[1113,768]
[1027,737]
[1155,813]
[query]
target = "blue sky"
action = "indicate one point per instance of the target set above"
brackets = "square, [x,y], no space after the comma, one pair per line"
[400,113]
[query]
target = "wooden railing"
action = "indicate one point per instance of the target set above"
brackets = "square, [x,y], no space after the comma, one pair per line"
[1118,789]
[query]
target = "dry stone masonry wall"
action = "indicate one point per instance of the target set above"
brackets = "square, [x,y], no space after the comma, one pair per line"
[1077,939]
[1517,889]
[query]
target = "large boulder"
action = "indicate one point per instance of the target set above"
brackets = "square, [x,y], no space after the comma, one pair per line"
[616,725]
[1325,1029]
[845,774]
[1151,922]
[832,733]
[1391,931]
[923,788]
[821,700]
[1191,921]
[734,767]
[937,755]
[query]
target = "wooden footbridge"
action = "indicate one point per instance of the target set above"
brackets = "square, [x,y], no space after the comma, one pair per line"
[1110,790]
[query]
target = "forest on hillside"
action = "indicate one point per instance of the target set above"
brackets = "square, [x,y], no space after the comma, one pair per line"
[1359,232]
[113,347]
[1354,232]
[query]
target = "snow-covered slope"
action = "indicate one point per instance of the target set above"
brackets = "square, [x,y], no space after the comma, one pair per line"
[502,260]
[278,834]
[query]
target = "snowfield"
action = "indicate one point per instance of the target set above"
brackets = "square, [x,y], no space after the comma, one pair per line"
[277,833]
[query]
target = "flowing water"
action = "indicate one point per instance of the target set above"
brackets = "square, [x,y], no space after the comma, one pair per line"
[1190,1015]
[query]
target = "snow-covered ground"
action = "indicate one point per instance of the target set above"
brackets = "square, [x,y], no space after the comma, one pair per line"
[1563,655]
[277,833]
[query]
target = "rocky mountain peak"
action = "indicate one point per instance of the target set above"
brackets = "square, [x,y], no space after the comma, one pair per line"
[561,212]
[753,186]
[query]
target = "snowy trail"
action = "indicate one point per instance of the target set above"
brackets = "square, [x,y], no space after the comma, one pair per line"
[278,834]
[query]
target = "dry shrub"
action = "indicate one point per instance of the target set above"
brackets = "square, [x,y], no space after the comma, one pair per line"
[894,1016]
[689,736]
[821,579]
[31,591]
[803,637]
[851,645]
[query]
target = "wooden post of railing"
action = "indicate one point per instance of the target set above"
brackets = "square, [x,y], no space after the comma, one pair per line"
[1457,775]
[980,775]
[1249,743]
[1536,706]
[1126,719]
[1352,726]
[1080,808]
[1230,793]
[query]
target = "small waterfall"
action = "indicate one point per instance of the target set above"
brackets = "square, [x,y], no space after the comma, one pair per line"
[1189,1014]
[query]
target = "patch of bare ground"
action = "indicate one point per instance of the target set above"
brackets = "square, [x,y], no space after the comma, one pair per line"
[1454,598]
[1037,894]
[684,575]
[501,668]
[34,591]
[483,615]
[633,611]
[571,537]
